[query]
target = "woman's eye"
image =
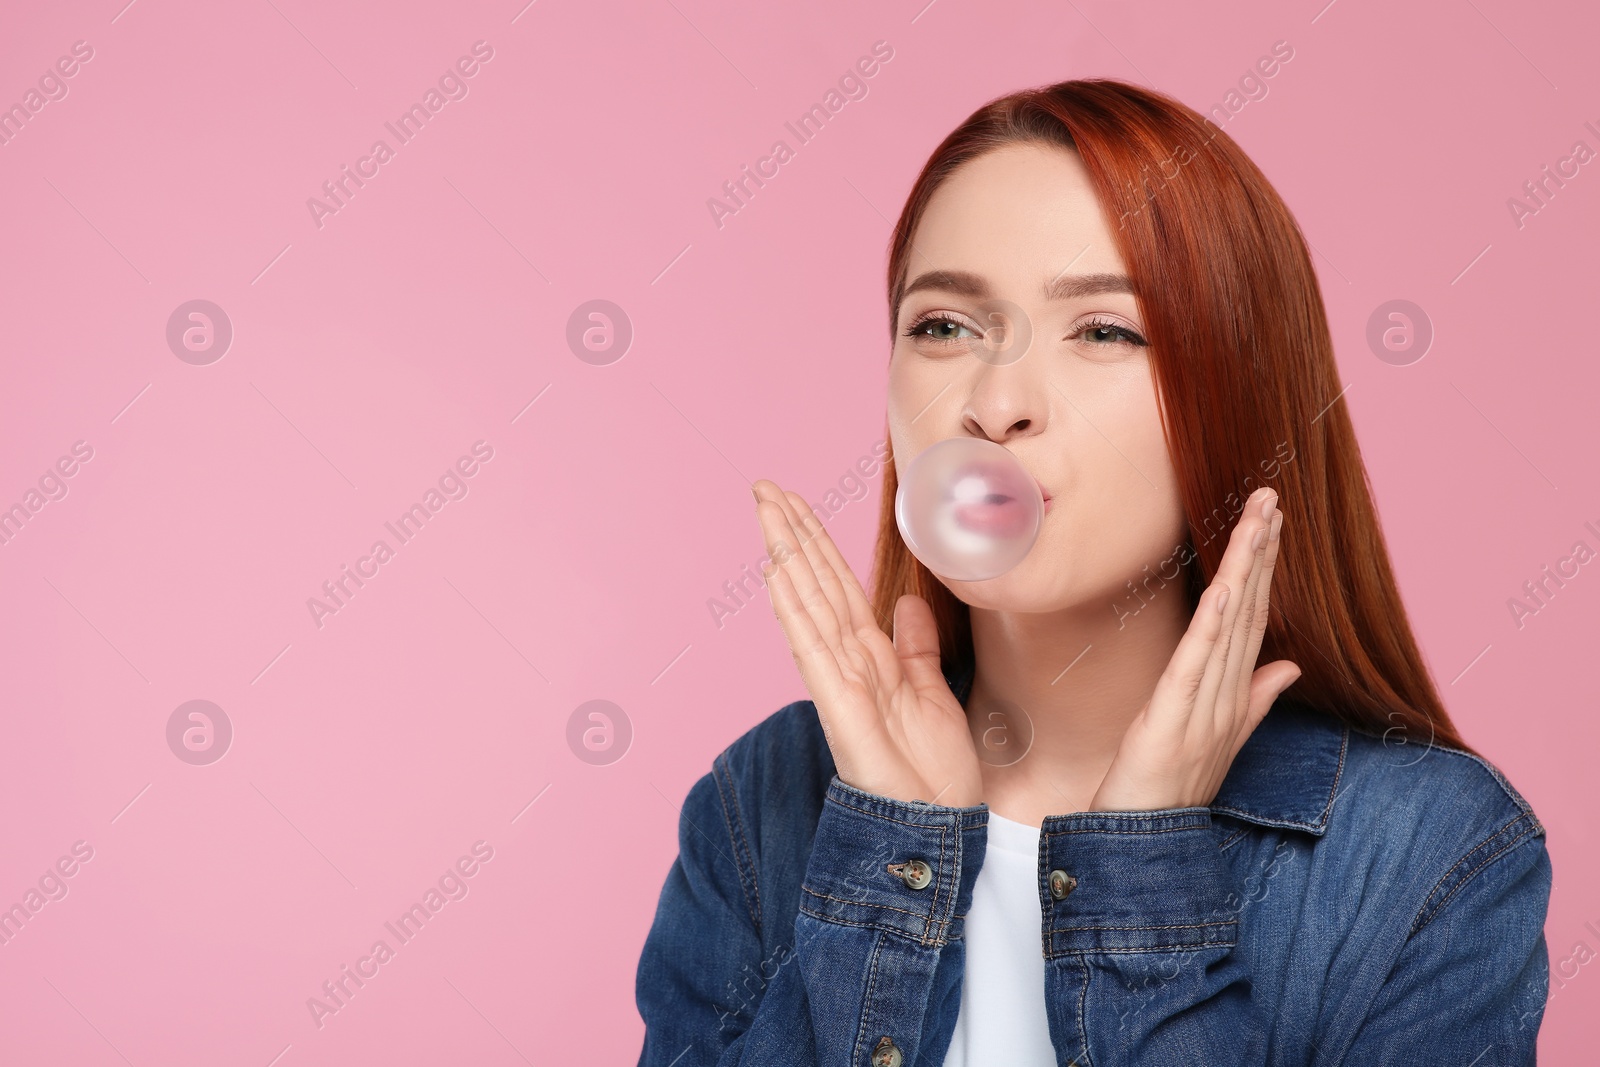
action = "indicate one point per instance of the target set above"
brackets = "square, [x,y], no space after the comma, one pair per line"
[943,330]
[939,328]
[1102,334]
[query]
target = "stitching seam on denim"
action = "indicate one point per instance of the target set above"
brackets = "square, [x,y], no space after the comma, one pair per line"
[1231,840]
[945,866]
[1058,953]
[849,790]
[1299,824]
[885,907]
[922,917]
[1254,817]
[891,818]
[1466,858]
[1083,995]
[1119,830]
[721,769]
[866,1007]
[1168,926]
[1417,925]
[1338,773]
[882,928]
[1187,812]
[744,839]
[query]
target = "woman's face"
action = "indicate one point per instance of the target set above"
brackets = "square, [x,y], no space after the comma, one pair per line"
[1078,408]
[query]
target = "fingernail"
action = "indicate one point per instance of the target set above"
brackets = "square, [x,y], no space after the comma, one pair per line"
[1222,601]
[1267,504]
[1277,520]
[755,494]
[1255,545]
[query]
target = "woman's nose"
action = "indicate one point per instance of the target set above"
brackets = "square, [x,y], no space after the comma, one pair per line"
[1008,401]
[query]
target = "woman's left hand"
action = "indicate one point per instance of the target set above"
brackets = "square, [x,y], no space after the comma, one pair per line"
[1211,695]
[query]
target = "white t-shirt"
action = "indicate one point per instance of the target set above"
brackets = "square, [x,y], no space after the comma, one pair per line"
[1002,1017]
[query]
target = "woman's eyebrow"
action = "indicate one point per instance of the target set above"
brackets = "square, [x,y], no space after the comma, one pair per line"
[1079,285]
[1067,287]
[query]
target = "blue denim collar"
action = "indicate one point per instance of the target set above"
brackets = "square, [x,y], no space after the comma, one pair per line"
[1286,773]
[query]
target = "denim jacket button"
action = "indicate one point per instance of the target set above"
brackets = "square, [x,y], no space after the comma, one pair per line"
[1061,883]
[916,874]
[886,1053]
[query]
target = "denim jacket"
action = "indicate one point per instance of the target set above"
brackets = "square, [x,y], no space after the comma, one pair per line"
[1345,898]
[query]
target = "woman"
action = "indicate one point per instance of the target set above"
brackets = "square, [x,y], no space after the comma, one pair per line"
[1060,816]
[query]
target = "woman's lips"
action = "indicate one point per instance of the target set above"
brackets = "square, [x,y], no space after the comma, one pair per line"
[996,514]
[990,506]
[989,501]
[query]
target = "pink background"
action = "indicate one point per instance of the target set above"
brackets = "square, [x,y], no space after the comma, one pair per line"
[432,710]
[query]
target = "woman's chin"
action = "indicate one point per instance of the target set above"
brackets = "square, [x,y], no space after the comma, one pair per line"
[1025,587]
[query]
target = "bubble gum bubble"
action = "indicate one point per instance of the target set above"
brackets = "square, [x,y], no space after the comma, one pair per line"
[968,509]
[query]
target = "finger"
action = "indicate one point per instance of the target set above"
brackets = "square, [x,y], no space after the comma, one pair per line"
[1179,684]
[1259,619]
[851,607]
[786,551]
[1228,710]
[1234,571]
[817,661]
[916,643]
[819,666]
[809,528]
[860,614]
[855,594]
[817,577]
[1266,685]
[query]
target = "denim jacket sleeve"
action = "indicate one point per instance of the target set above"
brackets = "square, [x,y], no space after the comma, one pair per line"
[1141,949]
[1151,886]
[695,971]
[879,932]
[1469,984]
[1143,964]
[870,957]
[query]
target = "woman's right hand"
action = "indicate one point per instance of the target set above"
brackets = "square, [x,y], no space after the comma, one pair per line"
[892,723]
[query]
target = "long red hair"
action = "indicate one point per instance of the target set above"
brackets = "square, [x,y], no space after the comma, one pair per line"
[1243,362]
